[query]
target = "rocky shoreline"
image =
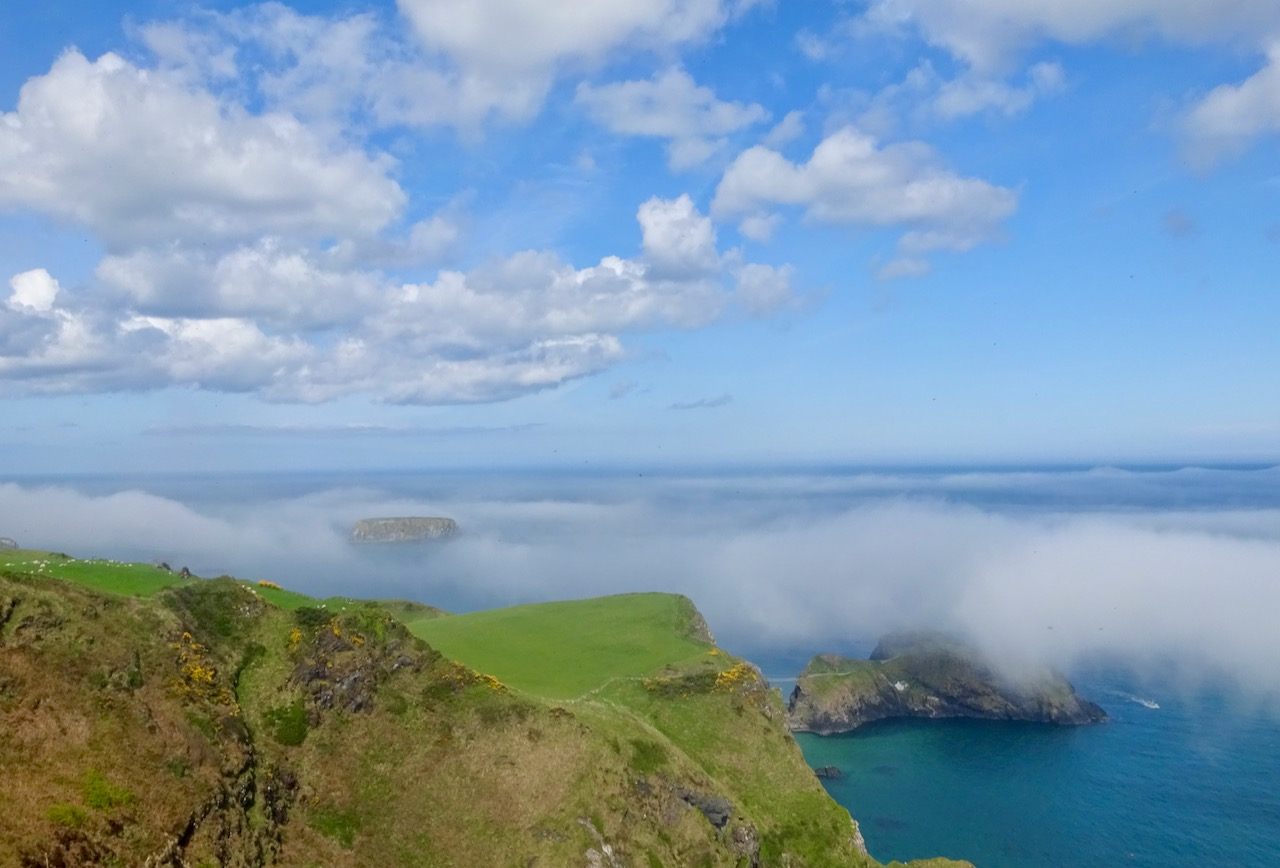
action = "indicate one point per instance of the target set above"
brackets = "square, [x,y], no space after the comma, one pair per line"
[927,676]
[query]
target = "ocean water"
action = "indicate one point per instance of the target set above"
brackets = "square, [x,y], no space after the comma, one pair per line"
[1193,782]
[1142,583]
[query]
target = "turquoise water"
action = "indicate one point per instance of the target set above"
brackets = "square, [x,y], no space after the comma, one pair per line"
[1195,782]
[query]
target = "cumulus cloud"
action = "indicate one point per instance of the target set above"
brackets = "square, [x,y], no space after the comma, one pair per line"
[535,37]
[989,36]
[1133,570]
[986,33]
[141,156]
[671,106]
[1232,116]
[292,326]
[852,179]
[678,240]
[34,290]
[273,281]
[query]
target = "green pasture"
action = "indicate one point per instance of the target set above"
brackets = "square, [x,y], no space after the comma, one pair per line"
[563,650]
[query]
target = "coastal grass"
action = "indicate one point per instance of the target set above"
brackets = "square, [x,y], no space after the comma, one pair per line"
[125,579]
[564,650]
[108,576]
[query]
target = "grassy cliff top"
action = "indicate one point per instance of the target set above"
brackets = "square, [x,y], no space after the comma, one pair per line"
[565,649]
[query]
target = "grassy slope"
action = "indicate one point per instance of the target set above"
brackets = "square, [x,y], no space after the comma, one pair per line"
[616,713]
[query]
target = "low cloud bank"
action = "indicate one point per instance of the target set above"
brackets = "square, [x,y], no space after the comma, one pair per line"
[777,564]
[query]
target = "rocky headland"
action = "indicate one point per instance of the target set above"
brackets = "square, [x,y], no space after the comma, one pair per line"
[403,529]
[927,676]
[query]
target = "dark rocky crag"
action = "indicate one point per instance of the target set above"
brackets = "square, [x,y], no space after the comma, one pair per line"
[927,676]
[403,529]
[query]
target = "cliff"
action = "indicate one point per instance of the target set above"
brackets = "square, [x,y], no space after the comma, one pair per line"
[152,719]
[397,530]
[927,676]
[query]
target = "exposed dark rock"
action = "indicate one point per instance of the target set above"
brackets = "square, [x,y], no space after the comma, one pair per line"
[185,573]
[828,773]
[927,676]
[716,809]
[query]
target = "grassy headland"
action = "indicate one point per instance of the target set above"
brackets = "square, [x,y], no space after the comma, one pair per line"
[148,718]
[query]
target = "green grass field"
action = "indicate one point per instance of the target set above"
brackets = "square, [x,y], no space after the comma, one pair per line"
[111,577]
[146,580]
[563,650]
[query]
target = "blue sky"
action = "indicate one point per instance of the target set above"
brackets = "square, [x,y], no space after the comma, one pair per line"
[435,232]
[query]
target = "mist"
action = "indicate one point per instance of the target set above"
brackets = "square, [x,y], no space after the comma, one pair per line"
[1058,568]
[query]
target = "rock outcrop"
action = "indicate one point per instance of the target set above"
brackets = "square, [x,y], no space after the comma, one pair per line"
[405,529]
[927,676]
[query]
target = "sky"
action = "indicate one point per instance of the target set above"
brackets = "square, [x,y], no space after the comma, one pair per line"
[689,232]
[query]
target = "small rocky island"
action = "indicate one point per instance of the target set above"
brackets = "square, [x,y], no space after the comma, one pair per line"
[403,530]
[926,675]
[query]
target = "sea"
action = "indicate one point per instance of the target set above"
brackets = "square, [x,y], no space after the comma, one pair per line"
[1155,589]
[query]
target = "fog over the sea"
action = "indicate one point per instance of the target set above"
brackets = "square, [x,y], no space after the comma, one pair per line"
[1040,566]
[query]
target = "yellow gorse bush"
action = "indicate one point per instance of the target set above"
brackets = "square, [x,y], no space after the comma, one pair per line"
[736,677]
[197,674]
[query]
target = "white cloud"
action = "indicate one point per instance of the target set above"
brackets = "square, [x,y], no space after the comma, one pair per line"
[678,240]
[276,320]
[759,227]
[137,155]
[671,106]
[225,354]
[987,33]
[514,65]
[852,179]
[35,290]
[1231,117]
[786,130]
[508,38]
[272,281]
[923,97]
[253,236]
[971,94]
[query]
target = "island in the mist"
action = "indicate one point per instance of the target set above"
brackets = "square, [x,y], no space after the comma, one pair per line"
[147,718]
[403,529]
[927,675]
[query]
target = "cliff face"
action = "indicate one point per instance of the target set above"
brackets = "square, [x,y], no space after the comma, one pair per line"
[925,676]
[188,722]
[408,529]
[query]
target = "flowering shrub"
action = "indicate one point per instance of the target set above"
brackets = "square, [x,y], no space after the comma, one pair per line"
[197,674]
[263,583]
[735,678]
